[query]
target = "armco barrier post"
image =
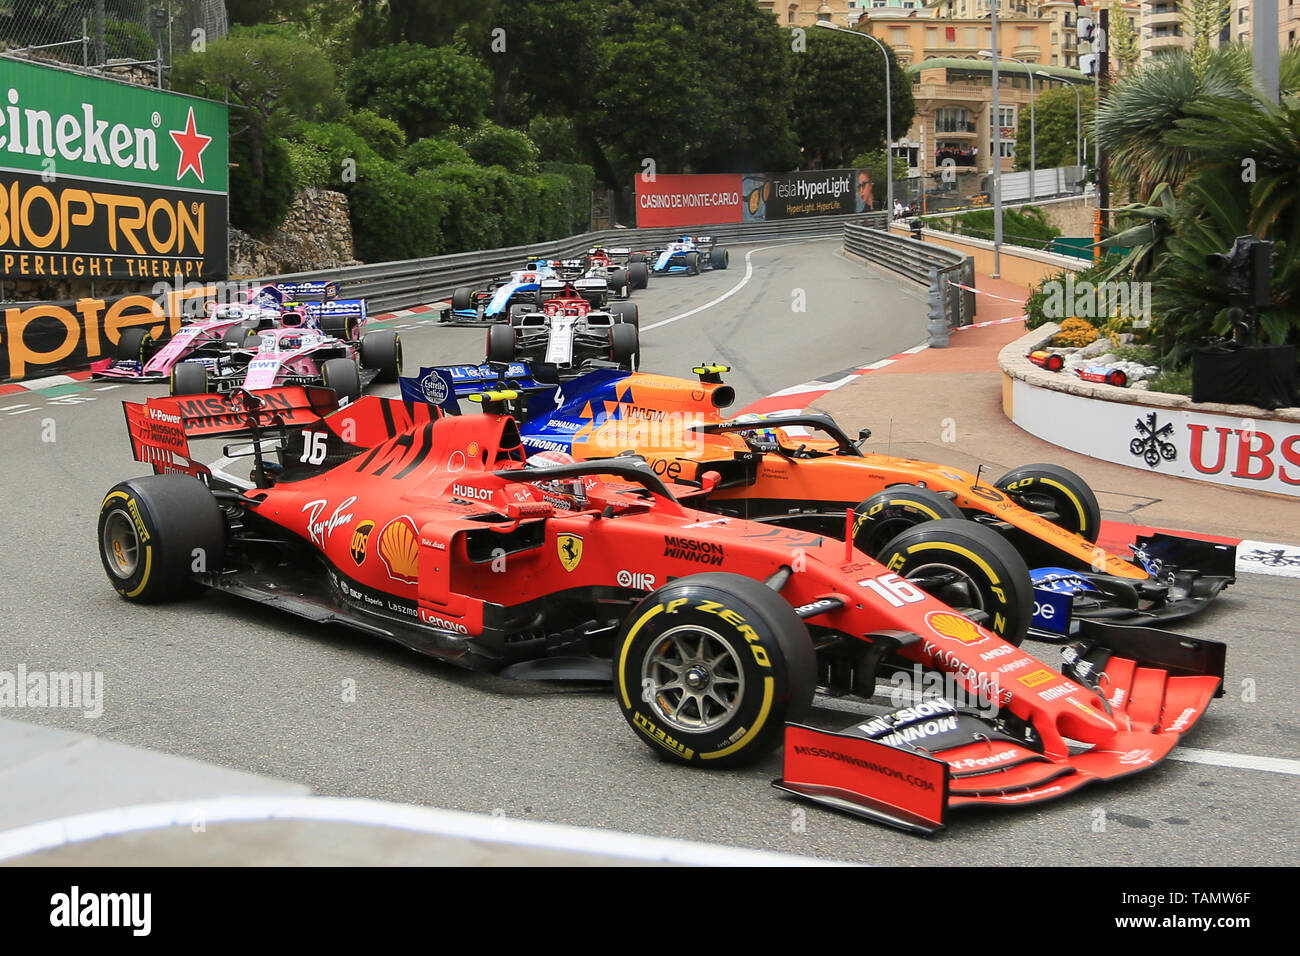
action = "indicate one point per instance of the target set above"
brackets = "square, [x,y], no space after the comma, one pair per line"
[968,301]
[938,326]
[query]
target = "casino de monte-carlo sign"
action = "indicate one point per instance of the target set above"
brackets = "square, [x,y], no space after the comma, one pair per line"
[102,179]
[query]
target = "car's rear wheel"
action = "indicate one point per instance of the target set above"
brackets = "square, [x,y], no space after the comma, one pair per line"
[383,351]
[157,533]
[626,312]
[1056,493]
[636,257]
[189,378]
[501,343]
[619,284]
[340,326]
[718,258]
[969,567]
[708,669]
[884,515]
[342,375]
[462,298]
[624,345]
[638,273]
[135,345]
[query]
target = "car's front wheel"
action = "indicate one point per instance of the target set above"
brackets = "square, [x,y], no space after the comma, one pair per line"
[708,669]
[342,375]
[969,567]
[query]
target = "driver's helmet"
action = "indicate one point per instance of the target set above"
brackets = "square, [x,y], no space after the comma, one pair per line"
[757,438]
[686,239]
[569,488]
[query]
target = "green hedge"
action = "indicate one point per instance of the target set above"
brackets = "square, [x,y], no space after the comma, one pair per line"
[431,199]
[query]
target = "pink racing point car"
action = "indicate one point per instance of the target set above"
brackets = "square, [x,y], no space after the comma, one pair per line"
[294,353]
[208,341]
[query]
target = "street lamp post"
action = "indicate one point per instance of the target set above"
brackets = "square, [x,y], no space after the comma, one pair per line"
[1033,158]
[889,114]
[1078,115]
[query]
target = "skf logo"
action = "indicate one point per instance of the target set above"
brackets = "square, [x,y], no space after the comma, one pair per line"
[569,547]
[954,626]
[360,535]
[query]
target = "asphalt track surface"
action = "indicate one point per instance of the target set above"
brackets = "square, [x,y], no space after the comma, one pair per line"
[231,683]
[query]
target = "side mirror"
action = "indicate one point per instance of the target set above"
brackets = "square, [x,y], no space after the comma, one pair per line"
[710,480]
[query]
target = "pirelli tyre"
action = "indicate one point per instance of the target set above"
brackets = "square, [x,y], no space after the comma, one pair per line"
[718,258]
[382,351]
[635,258]
[708,669]
[462,298]
[340,326]
[626,312]
[157,533]
[1058,494]
[135,344]
[692,263]
[969,567]
[624,345]
[879,519]
[619,284]
[638,273]
[189,378]
[501,343]
[342,375]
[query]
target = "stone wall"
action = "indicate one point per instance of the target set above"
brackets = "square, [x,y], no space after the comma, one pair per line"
[316,234]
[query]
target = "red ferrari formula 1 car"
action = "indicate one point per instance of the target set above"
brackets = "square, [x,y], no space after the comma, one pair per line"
[802,471]
[437,533]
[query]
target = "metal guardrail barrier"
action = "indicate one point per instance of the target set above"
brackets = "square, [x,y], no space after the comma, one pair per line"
[395,285]
[934,266]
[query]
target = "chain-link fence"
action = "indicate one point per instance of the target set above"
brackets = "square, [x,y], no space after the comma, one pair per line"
[139,37]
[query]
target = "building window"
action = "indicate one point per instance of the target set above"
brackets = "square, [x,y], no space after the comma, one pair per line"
[1008,116]
[952,119]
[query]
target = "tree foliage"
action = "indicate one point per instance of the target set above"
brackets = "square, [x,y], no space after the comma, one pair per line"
[1056,141]
[424,89]
[839,94]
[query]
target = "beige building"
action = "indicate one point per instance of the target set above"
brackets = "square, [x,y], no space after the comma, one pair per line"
[954,105]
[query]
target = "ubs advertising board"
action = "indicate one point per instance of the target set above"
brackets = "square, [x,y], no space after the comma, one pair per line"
[102,179]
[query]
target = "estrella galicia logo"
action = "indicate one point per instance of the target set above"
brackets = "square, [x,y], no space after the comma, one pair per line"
[1152,444]
[434,388]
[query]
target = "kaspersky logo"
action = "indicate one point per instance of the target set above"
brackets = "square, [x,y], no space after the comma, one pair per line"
[82,137]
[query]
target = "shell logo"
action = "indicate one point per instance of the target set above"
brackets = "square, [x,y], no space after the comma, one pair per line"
[399,548]
[955,627]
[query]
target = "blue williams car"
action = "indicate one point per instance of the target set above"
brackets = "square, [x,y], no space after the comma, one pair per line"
[492,301]
[689,254]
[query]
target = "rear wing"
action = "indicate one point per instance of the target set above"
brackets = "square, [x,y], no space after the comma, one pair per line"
[443,385]
[334,307]
[167,424]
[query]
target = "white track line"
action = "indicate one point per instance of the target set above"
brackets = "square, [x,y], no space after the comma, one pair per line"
[502,831]
[1217,758]
[749,273]
[107,388]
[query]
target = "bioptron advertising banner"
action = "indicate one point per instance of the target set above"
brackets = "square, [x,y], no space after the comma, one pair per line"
[102,180]
[697,200]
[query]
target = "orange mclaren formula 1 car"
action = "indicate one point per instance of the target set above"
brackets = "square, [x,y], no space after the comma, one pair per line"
[1040,522]
[436,532]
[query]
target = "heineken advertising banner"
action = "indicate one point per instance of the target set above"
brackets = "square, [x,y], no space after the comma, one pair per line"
[101,179]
